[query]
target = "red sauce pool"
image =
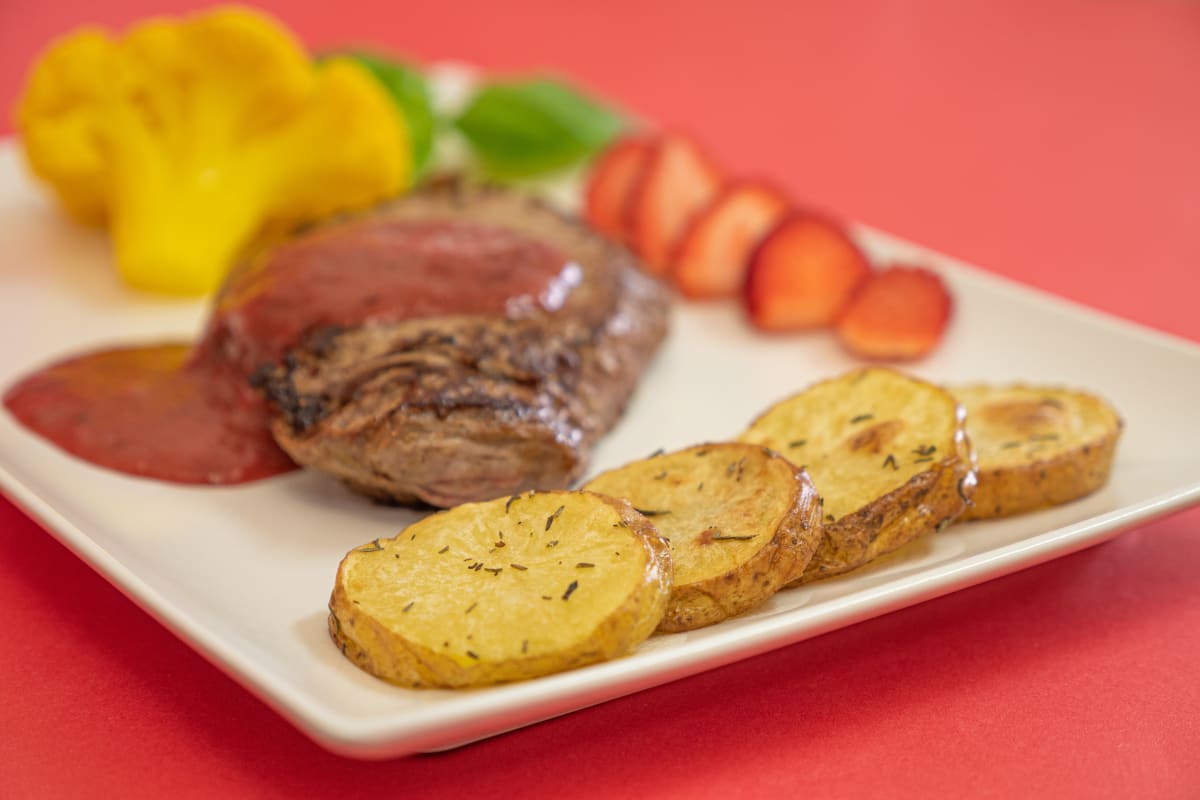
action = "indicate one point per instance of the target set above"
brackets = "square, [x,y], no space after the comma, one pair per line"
[188,414]
[139,410]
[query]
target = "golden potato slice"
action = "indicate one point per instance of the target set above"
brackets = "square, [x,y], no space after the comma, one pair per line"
[741,522]
[1037,446]
[887,453]
[502,590]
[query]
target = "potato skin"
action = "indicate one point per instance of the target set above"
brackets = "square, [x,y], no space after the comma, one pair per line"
[1005,492]
[373,647]
[1010,488]
[868,515]
[927,503]
[790,549]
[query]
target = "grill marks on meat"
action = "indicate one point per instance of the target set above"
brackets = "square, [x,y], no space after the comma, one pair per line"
[422,369]
[447,409]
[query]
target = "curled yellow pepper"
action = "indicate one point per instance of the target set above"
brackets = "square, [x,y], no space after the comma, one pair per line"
[190,137]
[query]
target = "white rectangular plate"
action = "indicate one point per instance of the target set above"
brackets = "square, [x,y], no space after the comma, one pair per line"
[243,574]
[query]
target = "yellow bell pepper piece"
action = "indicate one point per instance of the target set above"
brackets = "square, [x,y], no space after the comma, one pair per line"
[189,137]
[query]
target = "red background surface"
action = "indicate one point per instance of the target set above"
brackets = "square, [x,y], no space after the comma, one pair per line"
[1054,142]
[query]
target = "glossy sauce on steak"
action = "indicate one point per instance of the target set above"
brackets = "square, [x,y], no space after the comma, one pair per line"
[378,268]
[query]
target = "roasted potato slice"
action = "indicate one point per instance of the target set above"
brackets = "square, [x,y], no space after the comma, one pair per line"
[502,590]
[887,453]
[741,522]
[1037,446]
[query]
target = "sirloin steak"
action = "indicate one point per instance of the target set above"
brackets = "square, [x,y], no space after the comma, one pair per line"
[451,402]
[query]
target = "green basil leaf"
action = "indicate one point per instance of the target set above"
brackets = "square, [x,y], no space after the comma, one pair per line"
[529,128]
[408,90]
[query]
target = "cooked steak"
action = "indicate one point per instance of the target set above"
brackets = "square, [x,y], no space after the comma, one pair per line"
[451,407]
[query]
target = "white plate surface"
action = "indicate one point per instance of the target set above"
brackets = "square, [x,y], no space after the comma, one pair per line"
[243,574]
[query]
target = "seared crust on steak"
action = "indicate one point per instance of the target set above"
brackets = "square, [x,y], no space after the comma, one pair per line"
[445,410]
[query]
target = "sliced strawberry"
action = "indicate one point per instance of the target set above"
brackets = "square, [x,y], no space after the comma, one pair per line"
[610,186]
[715,251]
[802,274]
[899,313]
[677,181]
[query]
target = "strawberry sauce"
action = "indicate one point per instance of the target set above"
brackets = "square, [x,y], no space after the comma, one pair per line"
[188,415]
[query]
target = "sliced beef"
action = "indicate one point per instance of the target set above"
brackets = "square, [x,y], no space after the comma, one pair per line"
[445,408]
